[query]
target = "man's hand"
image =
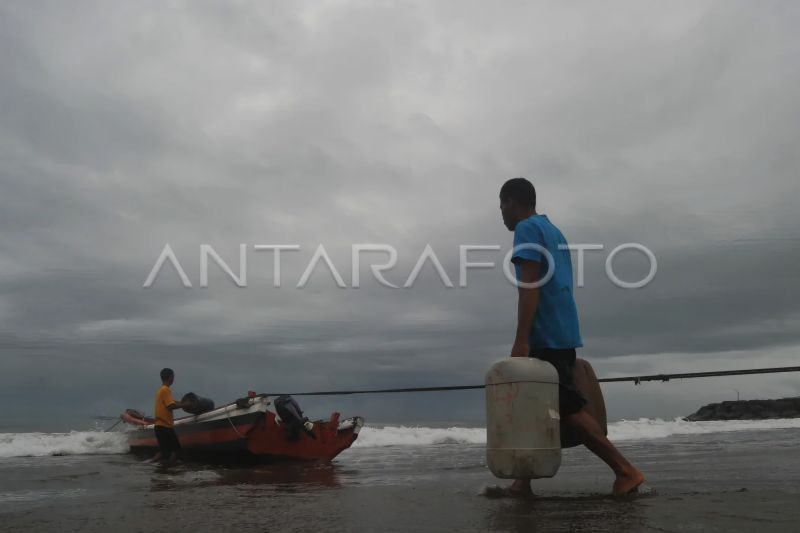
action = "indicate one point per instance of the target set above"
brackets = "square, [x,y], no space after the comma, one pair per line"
[520,349]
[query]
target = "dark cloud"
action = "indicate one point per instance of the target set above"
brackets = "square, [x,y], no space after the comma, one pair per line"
[126,127]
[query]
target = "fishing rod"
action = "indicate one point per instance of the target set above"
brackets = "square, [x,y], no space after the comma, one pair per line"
[666,377]
[635,379]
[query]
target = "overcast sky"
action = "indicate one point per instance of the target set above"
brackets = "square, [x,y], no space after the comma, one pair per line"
[126,126]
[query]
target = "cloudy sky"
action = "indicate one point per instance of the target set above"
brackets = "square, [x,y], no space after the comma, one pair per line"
[126,126]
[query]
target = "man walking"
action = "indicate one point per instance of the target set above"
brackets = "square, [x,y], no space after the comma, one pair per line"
[547,321]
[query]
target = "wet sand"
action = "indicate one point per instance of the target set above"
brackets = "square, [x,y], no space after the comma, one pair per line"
[737,481]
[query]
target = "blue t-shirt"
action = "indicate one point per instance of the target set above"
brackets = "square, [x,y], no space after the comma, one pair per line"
[556,322]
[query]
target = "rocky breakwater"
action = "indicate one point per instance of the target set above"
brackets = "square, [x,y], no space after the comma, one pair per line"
[748,410]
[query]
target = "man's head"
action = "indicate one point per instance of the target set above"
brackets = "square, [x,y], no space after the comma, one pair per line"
[517,201]
[167,376]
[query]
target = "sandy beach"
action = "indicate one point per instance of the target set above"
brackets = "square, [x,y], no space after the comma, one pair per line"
[742,480]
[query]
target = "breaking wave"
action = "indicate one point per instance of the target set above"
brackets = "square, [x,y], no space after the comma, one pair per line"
[648,428]
[72,443]
[98,442]
[624,430]
[418,436]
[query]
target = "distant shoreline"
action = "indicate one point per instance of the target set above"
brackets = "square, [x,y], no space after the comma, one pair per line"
[748,410]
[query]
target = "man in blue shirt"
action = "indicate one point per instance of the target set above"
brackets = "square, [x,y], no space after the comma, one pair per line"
[547,321]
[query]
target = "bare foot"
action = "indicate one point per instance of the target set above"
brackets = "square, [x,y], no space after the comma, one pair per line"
[520,487]
[629,482]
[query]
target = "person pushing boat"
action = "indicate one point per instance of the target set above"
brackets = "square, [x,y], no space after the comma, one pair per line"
[547,322]
[168,444]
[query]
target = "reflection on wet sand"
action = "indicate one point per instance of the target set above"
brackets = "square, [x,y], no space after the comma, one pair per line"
[583,513]
[298,476]
[282,477]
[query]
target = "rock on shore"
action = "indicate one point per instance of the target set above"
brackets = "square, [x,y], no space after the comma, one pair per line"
[748,410]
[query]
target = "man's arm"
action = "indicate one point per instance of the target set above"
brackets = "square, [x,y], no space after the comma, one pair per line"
[172,404]
[526,307]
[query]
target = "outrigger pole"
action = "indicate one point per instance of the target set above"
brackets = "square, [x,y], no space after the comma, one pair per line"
[635,379]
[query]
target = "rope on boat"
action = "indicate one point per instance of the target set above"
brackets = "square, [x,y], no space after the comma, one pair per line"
[115,424]
[228,415]
[635,379]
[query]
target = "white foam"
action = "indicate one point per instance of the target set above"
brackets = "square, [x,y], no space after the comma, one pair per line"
[648,428]
[72,443]
[98,442]
[624,430]
[418,436]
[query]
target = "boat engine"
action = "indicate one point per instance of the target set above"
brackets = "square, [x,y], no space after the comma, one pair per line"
[292,416]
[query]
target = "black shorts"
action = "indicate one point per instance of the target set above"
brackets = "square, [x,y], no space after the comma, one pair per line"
[167,441]
[570,400]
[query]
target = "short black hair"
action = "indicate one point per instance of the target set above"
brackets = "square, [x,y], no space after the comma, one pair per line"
[520,190]
[166,374]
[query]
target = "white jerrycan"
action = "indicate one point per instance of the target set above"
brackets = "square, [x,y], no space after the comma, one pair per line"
[522,423]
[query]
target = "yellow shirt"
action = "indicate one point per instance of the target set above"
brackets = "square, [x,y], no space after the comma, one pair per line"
[164,399]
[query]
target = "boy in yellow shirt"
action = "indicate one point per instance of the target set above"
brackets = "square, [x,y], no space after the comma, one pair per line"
[165,434]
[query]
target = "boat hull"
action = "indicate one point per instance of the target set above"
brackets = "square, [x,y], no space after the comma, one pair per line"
[252,433]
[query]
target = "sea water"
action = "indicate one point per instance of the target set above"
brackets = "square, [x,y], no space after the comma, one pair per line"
[714,476]
[38,444]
